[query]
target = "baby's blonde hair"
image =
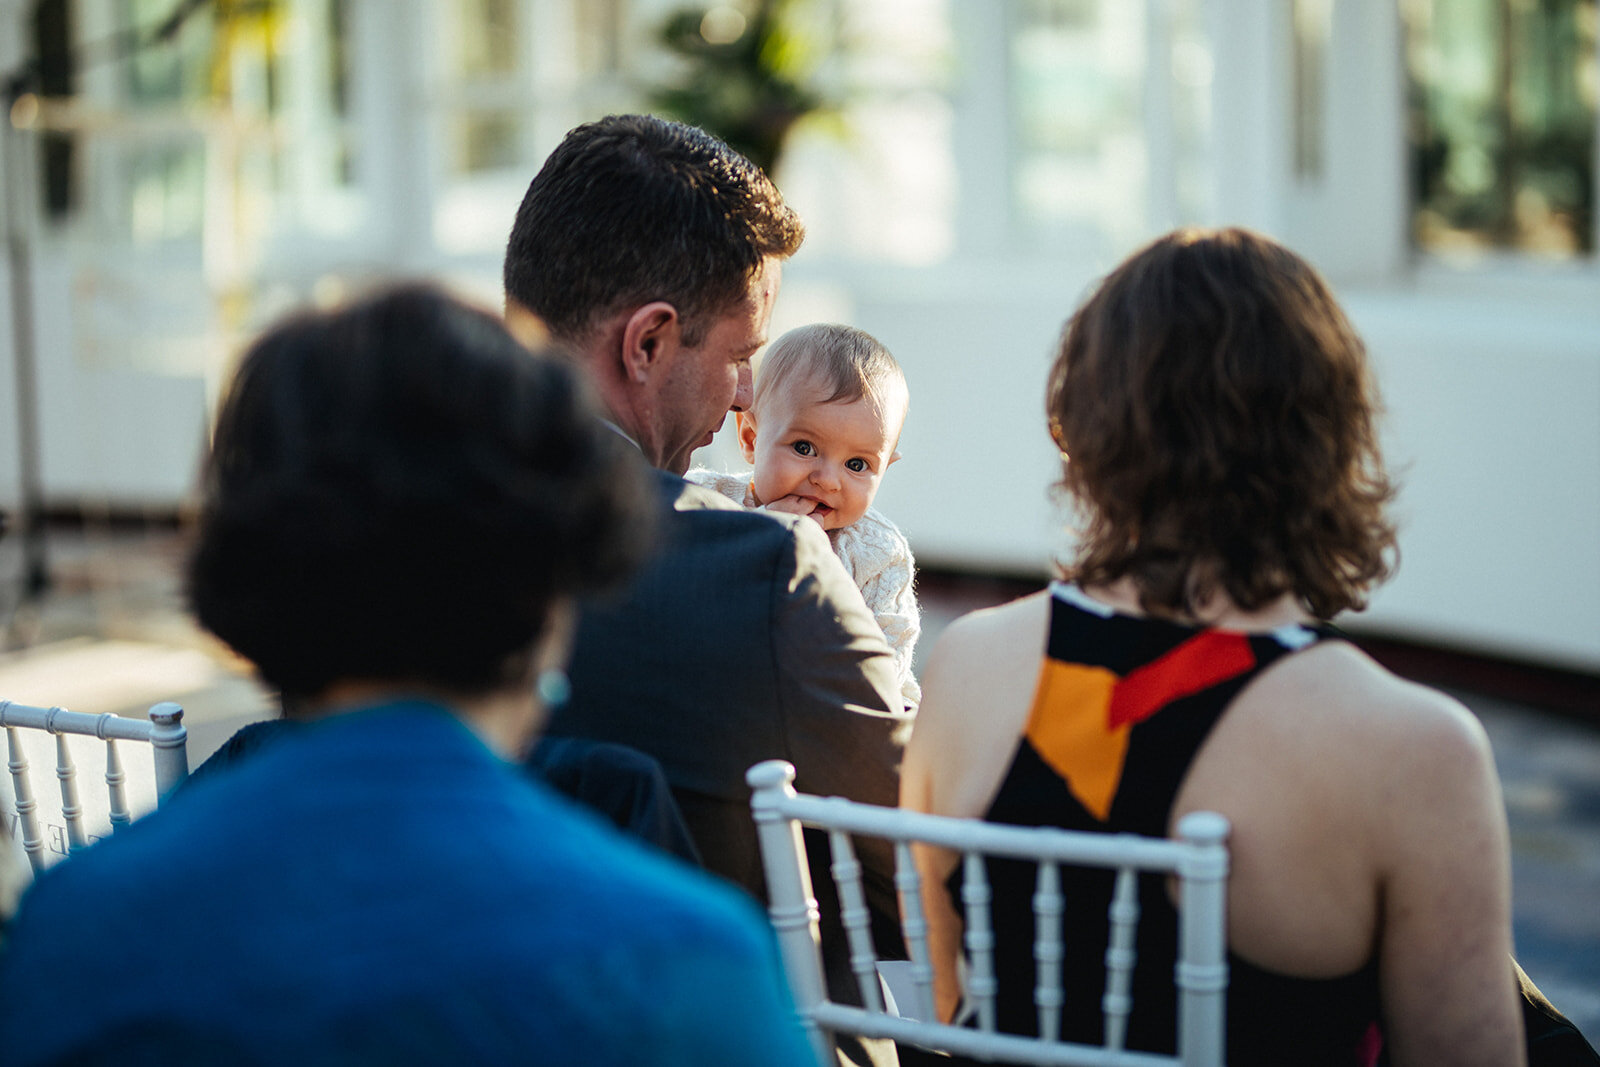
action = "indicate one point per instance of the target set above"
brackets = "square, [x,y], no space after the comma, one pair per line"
[847,364]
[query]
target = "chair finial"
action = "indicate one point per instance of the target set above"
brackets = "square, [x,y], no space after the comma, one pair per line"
[1204,828]
[166,713]
[770,774]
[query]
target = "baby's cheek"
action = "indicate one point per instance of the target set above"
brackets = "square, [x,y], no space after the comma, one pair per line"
[767,483]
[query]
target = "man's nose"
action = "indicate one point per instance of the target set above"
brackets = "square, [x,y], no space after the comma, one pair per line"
[744,392]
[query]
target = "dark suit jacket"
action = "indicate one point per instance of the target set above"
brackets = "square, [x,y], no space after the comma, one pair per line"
[743,640]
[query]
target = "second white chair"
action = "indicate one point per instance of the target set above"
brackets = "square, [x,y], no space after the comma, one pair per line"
[1199,860]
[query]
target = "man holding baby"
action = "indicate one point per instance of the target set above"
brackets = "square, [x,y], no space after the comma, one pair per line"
[653,253]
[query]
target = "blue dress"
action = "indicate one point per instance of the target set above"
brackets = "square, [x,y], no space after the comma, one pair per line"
[381,888]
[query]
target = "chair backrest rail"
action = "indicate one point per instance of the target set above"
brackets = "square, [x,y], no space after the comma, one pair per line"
[61,721]
[1007,1048]
[1014,842]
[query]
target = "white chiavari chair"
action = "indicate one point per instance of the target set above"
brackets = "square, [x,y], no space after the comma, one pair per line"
[1198,859]
[49,831]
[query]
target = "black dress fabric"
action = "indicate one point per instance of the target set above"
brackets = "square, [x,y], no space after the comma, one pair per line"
[1123,706]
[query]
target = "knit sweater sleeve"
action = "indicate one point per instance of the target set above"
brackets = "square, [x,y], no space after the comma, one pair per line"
[733,485]
[878,558]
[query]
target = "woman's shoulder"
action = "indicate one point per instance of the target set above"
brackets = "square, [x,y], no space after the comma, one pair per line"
[992,643]
[1026,614]
[1348,684]
[1346,728]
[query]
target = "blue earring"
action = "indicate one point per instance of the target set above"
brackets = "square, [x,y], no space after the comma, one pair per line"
[553,687]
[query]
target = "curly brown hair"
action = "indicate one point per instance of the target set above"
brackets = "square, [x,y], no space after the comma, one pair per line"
[1215,415]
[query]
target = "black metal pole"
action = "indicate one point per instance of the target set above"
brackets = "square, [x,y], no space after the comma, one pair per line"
[30,527]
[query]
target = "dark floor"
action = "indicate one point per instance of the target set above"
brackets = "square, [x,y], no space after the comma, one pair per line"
[110,634]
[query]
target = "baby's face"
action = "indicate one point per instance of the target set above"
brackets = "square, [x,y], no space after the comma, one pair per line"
[832,455]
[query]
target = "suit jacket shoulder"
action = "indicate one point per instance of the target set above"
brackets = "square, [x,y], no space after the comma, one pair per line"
[742,640]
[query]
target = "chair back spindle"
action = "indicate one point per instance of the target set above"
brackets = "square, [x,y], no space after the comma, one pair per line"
[1117,1004]
[116,792]
[914,925]
[24,806]
[856,918]
[979,939]
[1048,906]
[71,809]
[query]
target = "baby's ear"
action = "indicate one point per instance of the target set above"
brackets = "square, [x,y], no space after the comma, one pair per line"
[746,425]
[894,457]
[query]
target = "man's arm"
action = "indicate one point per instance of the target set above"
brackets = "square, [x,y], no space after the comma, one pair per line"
[839,697]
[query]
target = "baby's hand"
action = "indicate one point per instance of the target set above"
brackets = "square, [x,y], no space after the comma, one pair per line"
[797,505]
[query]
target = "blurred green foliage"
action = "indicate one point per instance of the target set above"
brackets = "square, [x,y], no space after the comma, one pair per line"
[749,73]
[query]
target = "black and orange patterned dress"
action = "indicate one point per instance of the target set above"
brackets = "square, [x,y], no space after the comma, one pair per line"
[1122,706]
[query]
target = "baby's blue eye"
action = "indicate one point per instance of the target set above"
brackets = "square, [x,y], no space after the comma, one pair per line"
[858,465]
[804,448]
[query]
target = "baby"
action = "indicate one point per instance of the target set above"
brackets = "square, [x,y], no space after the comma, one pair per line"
[829,404]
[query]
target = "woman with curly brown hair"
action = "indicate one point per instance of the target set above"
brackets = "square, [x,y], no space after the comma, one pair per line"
[1214,411]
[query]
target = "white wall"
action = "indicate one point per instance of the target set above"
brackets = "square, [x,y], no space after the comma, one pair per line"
[118,425]
[1492,427]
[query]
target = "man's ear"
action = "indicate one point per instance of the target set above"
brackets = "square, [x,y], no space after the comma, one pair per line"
[745,422]
[647,338]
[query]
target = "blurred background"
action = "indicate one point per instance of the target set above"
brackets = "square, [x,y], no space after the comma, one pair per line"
[176,173]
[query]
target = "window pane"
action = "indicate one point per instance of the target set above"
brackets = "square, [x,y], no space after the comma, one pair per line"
[874,176]
[1078,70]
[1503,115]
[487,37]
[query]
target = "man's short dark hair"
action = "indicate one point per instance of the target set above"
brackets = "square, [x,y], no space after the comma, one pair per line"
[399,491]
[635,208]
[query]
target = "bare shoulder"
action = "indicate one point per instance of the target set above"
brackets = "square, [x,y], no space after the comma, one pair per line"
[1422,804]
[1356,690]
[976,691]
[1333,716]
[976,638]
